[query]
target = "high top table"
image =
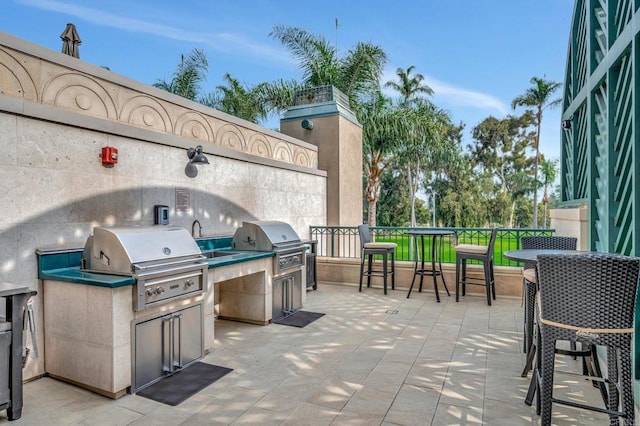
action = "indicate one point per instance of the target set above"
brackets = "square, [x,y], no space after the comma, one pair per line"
[436,254]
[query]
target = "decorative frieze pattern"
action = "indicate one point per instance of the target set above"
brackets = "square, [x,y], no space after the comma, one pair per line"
[41,81]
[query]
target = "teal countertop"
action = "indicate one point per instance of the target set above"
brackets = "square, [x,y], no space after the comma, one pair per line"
[76,276]
[64,264]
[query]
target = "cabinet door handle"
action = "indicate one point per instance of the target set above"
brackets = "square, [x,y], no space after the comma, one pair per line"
[167,345]
[178,340]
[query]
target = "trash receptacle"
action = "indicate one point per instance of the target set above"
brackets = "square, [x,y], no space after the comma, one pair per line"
[312,278]
[15,299]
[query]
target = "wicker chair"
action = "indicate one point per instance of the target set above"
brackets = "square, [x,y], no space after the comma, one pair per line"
[588,298]
[531,285]
[369,249]
[483,254]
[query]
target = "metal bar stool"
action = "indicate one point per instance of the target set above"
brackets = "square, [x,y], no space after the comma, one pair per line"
[483,254]
[369,249]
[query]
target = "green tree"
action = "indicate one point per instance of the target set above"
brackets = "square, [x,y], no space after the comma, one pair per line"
[356,74]
[238,100]
[538,96]
[393,207]
[500,152]
[408,85]
[382,128]
[414,152]
[462,193]
[188,76]
[549,170]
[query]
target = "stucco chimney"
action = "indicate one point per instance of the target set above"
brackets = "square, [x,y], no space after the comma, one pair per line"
[321,116]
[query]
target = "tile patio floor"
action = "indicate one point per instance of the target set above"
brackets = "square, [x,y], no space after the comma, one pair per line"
[372,359]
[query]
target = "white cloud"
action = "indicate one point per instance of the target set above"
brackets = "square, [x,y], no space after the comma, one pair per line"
[447,93]
[463,97]
[224,42]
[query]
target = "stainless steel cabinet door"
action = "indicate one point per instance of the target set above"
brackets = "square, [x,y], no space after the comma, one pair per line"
[188,341]
[149,351]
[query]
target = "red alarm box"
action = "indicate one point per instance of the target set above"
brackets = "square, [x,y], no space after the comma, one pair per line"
[109,156]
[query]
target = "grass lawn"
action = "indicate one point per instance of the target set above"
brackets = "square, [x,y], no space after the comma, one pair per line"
[405,251]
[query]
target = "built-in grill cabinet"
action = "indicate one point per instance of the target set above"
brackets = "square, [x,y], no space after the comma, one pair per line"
[289,258]
[168,266]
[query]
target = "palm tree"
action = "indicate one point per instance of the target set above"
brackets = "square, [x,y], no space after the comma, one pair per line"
[538,96]
[385,131]
[235,99]
[191,72]
[409,85]
[356,74]
[548,168]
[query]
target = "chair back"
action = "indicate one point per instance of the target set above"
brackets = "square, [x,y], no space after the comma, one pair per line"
[492,242]
[590,290]
[364,233]
[547,242]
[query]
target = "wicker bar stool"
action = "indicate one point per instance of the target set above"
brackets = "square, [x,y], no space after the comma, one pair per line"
[531,285]
[588,298]
[369,249]
[480,253]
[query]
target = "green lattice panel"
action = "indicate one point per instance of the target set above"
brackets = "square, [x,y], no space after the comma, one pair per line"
[622,205]
[621,16]
[599,45]
[581,147]
[568,80]
[580,39]
[600,199]
[568,166]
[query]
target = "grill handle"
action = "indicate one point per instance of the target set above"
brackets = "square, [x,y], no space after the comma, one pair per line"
[195,260]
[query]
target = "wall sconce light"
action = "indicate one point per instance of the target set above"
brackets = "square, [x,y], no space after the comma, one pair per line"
[307,124]
[566,124]
[196,157]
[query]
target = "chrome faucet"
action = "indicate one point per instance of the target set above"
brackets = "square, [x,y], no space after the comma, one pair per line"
[193,228]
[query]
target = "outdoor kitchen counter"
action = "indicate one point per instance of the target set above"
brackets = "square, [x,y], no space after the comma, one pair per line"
[90,324]
[64,266]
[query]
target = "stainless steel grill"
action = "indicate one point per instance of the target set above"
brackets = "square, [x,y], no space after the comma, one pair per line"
[165,261]
[275,236]
[280,238]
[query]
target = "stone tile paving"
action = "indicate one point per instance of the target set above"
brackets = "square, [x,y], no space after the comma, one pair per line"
[371,360]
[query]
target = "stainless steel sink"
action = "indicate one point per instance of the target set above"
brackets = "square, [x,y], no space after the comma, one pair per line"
[212,254]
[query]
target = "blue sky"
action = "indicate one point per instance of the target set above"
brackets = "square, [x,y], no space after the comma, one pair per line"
[477,55]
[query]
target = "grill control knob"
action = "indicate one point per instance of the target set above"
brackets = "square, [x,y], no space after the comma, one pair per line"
[150,292]
[159,290]
[189,283]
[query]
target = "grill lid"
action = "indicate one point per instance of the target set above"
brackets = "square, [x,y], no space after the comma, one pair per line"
[264,235]
[116,250]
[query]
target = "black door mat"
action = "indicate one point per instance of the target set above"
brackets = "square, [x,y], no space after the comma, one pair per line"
[298,319]
[177,388]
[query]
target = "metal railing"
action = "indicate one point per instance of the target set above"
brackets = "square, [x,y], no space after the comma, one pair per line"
[343,241]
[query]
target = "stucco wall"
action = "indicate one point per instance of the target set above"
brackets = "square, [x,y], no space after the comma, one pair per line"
[572,223]
[56,113]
